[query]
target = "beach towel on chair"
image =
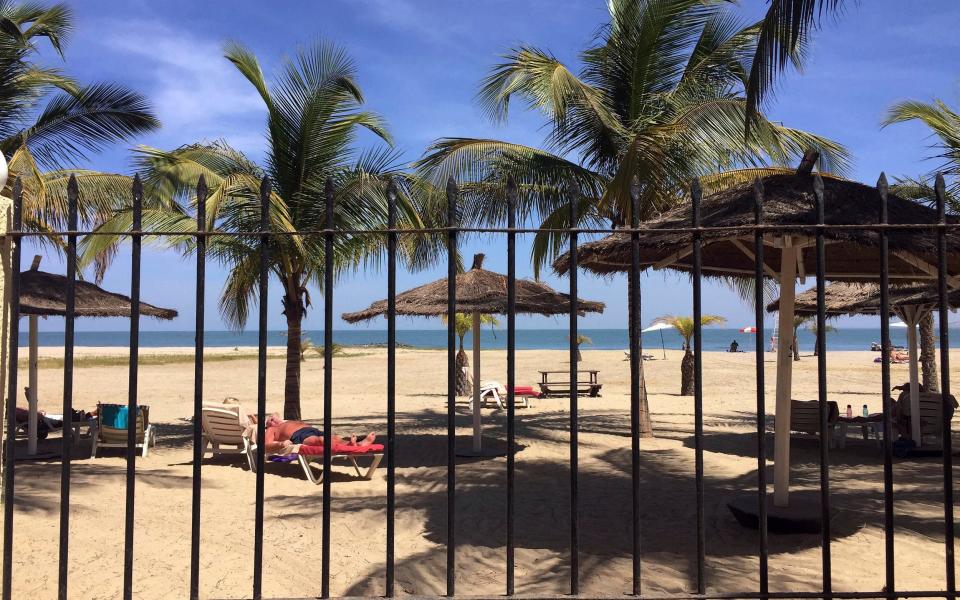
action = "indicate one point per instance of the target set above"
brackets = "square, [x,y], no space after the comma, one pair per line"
[341,449]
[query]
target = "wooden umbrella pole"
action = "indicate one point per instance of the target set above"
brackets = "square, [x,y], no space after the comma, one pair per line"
[477,427]
[911,317]
[788,288]
[32,395]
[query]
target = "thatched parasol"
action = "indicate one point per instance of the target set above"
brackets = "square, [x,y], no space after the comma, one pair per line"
[788,200]
[44,294]
[478,291]
[909,302]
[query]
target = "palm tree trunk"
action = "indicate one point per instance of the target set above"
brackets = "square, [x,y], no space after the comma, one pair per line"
[463,372]
[928,354]
[796,348]
[294,310]
[687,382]
[646,424]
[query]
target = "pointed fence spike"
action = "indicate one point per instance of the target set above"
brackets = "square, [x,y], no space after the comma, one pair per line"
[818,186]
[72,186]
[392,188]
[452,187]
[696,189]
[17,186]
[882,186]
[940,186]
[137,186]
[202,186]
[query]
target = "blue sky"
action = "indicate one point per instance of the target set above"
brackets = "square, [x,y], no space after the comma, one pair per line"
[419,65]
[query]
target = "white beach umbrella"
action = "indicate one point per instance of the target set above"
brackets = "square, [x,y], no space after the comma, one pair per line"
[659,327]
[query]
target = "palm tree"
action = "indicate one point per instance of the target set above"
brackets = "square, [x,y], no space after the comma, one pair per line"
[660,98]
[944,123]
[313,116]
[827,328]
[463,325]
[48,121]
[685,327]
[582,339]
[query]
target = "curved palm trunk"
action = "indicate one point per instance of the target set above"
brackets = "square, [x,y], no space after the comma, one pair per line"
[687,382]
[928,354]
[294,310]
[463,372]
[796,348]
[646,424]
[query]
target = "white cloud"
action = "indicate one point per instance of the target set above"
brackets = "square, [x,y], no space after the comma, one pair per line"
[196,93]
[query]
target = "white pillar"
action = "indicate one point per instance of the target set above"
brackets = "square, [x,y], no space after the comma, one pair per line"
[781,451]
[477,429]
[32,396]
[911,317]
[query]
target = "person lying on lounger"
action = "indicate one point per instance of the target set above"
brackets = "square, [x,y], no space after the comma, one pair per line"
[283,434]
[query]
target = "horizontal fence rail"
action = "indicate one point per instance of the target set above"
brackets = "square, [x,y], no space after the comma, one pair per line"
[756,230]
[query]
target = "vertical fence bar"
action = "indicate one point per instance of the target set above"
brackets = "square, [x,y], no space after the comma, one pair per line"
[511,372]
[574,426]
[758,316]
[136,241]
[391,379]
[452,194]
[826,570]
[265,192]
[882,188]
[946,431]
[327,383]
[13,358]
[633,296]
[67,447]
[198,388]
[696,194]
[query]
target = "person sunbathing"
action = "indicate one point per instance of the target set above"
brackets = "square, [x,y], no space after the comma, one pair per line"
[282,434]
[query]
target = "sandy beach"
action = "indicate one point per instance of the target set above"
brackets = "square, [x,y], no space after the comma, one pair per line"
[291,564]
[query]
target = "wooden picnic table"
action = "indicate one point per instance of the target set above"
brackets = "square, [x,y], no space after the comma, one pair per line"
[562,386]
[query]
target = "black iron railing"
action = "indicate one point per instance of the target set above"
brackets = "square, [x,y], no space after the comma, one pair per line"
[391,233]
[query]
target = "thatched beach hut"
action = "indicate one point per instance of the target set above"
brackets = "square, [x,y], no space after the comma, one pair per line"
[44,294]
[478,292]
[789,200]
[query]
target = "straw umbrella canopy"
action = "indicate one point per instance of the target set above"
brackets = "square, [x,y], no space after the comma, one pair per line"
[478,292]
[911,303]
[788,200]
[44,294]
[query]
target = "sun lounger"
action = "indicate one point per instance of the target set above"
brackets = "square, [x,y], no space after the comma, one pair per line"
[221,427]
[490,392]
[110,429]
[306,455]
[805,418]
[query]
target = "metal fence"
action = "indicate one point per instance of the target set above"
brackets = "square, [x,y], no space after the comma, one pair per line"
[452,231]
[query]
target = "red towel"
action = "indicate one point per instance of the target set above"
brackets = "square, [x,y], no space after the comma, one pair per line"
[341,449]
[525,390]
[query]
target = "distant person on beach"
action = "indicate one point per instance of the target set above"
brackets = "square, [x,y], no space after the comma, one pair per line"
[734,346]
[282,434]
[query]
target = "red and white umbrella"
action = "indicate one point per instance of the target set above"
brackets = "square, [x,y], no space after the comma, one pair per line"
[748,330]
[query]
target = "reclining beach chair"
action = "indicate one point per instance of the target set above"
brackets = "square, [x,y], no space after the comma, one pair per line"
[805,418]
[221,427]
[310,454]
[110,429]
[490,393]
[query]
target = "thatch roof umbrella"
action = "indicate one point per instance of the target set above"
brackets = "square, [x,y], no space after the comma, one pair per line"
[43,294]
[478,292]
[789,200]
[911,303]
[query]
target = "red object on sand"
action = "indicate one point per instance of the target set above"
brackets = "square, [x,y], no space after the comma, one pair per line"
[341,449]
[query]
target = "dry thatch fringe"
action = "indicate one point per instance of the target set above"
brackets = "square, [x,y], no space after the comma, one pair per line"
[864,299]
[852,255]
[44,294]
[478,290]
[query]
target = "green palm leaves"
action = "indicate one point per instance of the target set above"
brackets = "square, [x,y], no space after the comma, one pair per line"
[48,121]
[660,97]
[944,123]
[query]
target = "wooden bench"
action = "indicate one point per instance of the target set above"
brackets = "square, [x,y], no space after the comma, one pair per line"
[561,387]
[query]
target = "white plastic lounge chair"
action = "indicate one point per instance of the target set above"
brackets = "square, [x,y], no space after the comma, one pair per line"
[316,477]
[490,393]
[105,436]
[221,427]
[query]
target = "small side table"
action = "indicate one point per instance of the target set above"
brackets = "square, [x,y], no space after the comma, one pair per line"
[870,426]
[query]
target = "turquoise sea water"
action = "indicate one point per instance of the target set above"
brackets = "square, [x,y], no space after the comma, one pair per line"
[603,339]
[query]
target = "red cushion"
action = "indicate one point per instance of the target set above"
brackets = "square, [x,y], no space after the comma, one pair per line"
[341,449]
[525,390]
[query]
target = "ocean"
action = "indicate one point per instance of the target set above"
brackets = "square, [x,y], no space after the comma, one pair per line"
[527,339]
